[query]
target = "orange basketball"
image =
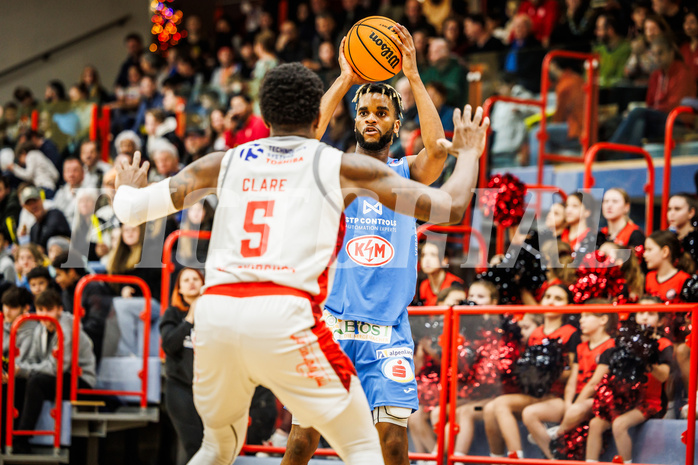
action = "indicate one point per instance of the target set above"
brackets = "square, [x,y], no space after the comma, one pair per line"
[371,49]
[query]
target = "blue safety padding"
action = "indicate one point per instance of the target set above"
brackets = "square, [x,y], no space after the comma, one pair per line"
[46,423]
[131,327]
[121,374]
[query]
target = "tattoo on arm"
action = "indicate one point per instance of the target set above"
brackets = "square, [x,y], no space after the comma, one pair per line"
[196,180]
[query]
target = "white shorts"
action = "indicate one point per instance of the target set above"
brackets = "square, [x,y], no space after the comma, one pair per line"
[272,340]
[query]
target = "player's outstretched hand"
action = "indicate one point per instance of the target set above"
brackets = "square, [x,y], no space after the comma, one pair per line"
[470,132]
[346,69]
[409,53]
[132,174]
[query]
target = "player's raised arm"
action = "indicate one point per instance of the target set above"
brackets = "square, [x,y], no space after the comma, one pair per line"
[337,91]
[427,165]
[135,202]
[440,206]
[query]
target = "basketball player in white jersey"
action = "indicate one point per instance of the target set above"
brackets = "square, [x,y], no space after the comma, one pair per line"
[274,234]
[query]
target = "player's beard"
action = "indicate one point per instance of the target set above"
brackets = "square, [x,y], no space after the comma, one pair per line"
[384,141]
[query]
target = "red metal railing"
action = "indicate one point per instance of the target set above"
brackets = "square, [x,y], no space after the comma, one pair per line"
[448,395]
[591,89]
[168,265]
[35,120]
[445,343]
[79,312]
[458,311]
[649,187]
[459,229]
[669,145]
[56,412]
[105,131]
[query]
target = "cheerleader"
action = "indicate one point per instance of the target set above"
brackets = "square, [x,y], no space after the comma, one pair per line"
[651,404]
[481,293]
[620,228]
[428,372]
[681,216]
[578,209]
[669,266]
[501,414]
[632,272]
[589,365]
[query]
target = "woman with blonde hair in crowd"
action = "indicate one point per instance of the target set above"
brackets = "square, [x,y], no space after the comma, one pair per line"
[125,255]
[29,256]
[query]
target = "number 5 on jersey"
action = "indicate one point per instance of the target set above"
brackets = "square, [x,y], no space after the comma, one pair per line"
[267,206]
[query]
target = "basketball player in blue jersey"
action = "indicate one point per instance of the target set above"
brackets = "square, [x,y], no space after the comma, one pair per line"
[376,271]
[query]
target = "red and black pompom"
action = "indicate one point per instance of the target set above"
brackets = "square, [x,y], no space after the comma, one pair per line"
[503,199]
[598,276]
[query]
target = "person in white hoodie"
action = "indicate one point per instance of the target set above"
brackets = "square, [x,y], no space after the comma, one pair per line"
[38,367]
[33,166]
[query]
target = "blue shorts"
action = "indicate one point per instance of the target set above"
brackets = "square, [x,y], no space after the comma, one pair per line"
[383,357]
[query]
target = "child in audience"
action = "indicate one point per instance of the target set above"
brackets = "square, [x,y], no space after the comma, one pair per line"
[427,365]
[481,293]
[16,301]
[578,210]
[681,216]
[38,366]
[39,280]
[501,414]
[589,365]
[28,257]
[650,406]
[669,266]
[437,277]
[555,219]
[620,229]
[634,278]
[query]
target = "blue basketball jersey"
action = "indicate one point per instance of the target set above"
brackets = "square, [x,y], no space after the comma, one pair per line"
[376,270]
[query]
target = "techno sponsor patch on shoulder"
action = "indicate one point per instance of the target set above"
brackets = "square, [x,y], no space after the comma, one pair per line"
[398,369]
[370,250]
[394,352]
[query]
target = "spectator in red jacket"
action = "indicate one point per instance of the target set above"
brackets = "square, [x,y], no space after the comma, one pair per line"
[247,126]
[669,83]
[544,15]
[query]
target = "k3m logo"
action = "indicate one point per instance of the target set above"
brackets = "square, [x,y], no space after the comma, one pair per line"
[370,250]
[377,207]
[252,152]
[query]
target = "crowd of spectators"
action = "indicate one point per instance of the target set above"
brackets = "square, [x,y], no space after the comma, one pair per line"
[654,270]
[57,223]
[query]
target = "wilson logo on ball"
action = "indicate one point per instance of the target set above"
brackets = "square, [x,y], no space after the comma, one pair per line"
[370,250]
[386,52]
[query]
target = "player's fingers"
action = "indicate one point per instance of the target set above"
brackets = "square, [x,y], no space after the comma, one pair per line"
[467,114]
[486,123]
[144,168]
[136,159]
[456,117]
[477,119]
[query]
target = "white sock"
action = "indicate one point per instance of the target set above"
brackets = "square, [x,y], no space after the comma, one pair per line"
[629,461]
[497,455]
[519,454]
[592,461]
[458,452]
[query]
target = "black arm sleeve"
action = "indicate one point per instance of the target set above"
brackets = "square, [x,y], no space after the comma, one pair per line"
[173,330]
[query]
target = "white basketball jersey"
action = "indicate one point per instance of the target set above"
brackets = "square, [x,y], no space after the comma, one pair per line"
[278,214]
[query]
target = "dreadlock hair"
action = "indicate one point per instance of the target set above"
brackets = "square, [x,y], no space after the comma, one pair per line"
[380,88]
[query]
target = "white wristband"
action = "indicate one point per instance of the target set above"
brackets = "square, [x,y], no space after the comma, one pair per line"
[134,206]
